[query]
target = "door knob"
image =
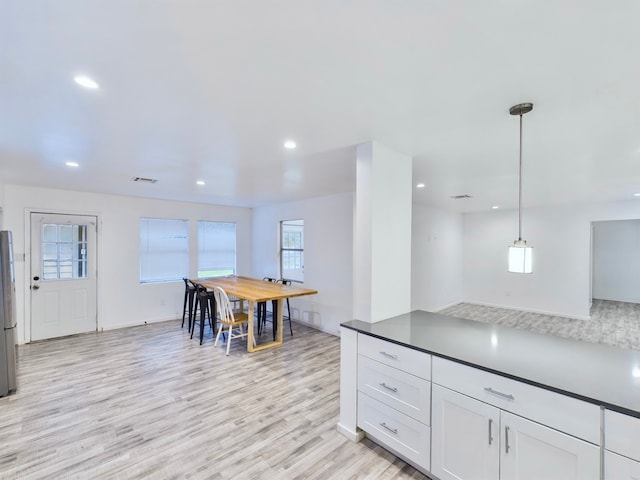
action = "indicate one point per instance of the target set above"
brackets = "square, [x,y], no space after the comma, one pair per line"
[35,287]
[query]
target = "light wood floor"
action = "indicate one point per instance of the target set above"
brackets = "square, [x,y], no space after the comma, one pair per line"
[612,323]
[148,402]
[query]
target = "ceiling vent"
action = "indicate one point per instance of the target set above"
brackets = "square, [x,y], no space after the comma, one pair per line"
[144,180]
[460,197]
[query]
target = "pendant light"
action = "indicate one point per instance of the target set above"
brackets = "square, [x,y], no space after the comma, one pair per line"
[520,255]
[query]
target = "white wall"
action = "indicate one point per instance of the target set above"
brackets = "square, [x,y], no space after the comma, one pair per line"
[436,272]
[122,300]
[560,236]
[328,254]
[616,260]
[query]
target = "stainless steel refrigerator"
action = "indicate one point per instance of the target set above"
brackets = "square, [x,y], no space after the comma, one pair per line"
[8,335]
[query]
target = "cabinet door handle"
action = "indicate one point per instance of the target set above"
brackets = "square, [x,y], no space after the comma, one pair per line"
[392,430]
[490,428]
[506,396]
[393,389]
[506,440]
[390,355]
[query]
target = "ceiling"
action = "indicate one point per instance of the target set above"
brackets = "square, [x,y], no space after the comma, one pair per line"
[209,90]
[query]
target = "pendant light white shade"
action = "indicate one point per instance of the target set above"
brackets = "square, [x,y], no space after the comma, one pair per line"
[520,257]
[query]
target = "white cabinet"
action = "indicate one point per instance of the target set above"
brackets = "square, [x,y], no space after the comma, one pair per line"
[480,431]
[398,432]
[454,421]
[394,398]
[398,389]
[466,437]
[530,451]
[563,413]
[617,467]
[622,444]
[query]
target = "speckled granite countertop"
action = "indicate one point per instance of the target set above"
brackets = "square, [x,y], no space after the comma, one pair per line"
[593,372]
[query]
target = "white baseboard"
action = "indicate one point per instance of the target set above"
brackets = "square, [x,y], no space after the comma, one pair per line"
[317,327]
[439,309]
[137,323]
[354,436]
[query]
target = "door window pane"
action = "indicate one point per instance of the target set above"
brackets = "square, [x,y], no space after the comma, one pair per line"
[64,251]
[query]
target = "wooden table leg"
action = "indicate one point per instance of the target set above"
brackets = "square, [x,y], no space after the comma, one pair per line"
[264,346]
[280,320]
[250,327]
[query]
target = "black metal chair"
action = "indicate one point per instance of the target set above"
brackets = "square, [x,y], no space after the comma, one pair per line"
[206,302]
[189,295]
[287,282]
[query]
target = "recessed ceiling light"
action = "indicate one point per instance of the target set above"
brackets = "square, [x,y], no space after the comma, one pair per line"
[495,207]
[86,82]
[72,164]
[420,185]
[200,182]
[636,194]
[290,144]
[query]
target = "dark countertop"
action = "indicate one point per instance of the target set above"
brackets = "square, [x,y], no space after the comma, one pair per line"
[597,373]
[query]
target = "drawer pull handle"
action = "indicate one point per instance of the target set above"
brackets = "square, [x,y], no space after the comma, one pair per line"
[390,355]
[393,389]
[506,396]
[490,436]
[392,430]
[506,440]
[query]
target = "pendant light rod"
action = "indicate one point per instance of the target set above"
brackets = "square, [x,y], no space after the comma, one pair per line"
[520,110]
[520,185]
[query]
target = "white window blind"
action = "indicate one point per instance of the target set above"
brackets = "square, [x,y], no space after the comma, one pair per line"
[164,249]
[216,249]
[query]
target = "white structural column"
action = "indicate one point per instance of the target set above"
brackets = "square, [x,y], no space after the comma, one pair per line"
[382,258]
[382,237]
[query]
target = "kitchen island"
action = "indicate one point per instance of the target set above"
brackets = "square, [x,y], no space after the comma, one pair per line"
[464,399]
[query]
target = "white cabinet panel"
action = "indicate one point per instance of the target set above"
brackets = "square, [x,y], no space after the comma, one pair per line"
[561,412]
[622,434]
[617,467]
[404,392]
[531,451]
[399,432]
[411,361]
[466,437]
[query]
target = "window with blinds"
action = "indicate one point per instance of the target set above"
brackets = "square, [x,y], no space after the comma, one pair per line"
[164,250]
[216,249]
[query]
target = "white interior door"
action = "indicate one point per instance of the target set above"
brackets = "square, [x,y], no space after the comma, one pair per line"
[63,275]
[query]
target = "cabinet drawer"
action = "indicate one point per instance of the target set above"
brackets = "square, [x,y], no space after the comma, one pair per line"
[412,361]
[404,392]
[394,430]
[575,417]
[622,434]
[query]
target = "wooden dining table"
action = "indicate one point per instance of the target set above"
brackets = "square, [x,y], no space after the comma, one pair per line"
[255,290]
